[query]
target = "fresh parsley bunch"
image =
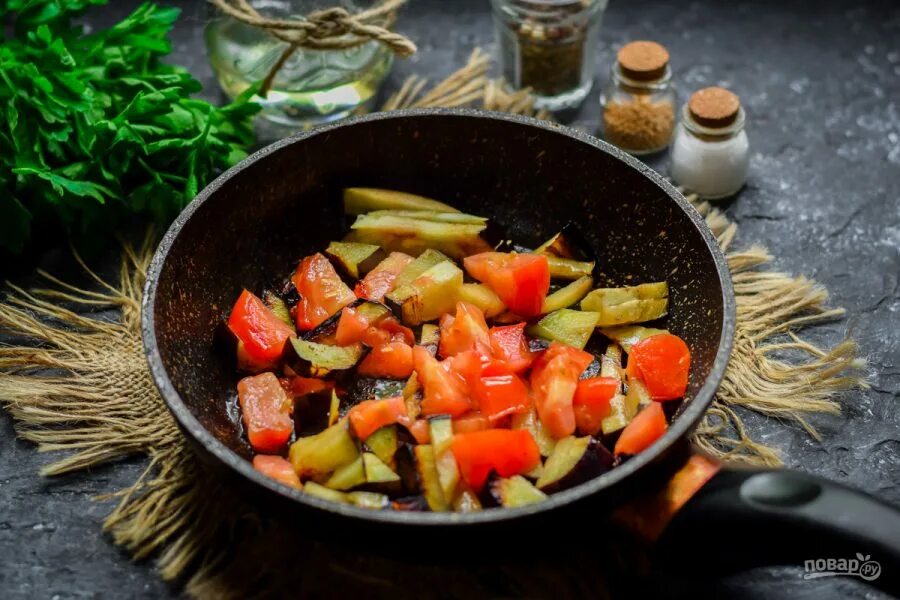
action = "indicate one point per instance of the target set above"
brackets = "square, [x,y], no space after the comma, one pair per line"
[95,127]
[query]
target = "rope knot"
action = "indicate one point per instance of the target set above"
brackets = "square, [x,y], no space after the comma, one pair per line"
[332,28]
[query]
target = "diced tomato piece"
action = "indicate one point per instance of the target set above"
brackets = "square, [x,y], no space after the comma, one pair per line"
[579,358]
[521,280]
[500,395]
[380,280]
[277,468]
[262,333]
[591,402]
[393,360]
[352,327]
[466,331]
[302,386]
[468,365]
[472,421]
[397,332]
[371,415]
[421,431]
[645,428]
[266,409]
[445,391]
[663,362]
[554,379]
[507,451]
[509,345]
[375,336]
[322,293]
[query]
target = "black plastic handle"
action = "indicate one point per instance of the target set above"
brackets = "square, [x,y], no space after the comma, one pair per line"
[783,517]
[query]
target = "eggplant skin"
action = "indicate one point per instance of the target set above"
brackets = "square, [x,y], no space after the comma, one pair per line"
[594,461]
[411,504]
[405,463]
[289,294]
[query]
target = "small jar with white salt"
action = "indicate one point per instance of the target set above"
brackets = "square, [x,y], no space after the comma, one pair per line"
[710,153]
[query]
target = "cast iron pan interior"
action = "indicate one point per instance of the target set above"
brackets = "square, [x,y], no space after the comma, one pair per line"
[258,219]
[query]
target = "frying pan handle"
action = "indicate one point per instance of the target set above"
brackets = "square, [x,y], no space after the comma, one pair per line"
[768,517]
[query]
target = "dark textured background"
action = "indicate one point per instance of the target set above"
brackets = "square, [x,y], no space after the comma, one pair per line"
[821,85]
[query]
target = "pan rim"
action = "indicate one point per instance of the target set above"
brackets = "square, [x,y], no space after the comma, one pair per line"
[678,430]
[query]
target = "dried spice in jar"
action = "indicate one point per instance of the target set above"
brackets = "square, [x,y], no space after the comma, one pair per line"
[639,101]
[711,153]
[549,46]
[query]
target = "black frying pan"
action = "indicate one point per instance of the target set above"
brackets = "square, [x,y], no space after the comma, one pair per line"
[531,178]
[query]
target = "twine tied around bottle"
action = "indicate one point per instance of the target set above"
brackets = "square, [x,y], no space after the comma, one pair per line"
[326,29]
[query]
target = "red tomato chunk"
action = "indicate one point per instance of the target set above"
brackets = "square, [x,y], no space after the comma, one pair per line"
[663,362]
[520,280]
[508,452]
[266,410]
[263,334]
[322,293]
[277,468]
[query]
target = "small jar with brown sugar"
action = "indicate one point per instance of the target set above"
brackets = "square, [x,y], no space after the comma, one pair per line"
[639,100]
[711,153]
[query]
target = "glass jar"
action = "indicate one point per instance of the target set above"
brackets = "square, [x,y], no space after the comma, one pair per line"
[639,100]
[711,153]
[549,46]
[313,86]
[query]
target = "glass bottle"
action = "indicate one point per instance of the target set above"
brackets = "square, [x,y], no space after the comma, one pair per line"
[711,153]
[638,102]
[549,46]
[313,86]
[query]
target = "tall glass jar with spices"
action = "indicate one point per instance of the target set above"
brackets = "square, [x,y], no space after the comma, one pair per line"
[711,153]
[639,100]
[549,46]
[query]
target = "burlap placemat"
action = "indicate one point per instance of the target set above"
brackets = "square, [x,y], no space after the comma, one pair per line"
[99,404]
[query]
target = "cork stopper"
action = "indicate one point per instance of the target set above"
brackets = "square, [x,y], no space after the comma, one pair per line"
[714,107]
[643,60]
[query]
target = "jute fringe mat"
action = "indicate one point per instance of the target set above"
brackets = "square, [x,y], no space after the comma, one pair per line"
[99,404]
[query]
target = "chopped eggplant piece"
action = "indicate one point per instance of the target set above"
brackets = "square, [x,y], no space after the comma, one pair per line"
[426,467]
[383,444]
[568,243]
[412,395]
[425,261]
[353,258]
[515,491]
[430,337]
[334,409]
[572,327]
[320,491]
[624,408]
[437,216]
[406,468]
[348,477]
[278,306]
[441,430]
[379,476]
[369,500]
[611,364]
[311,359]
[568,295]
[622,306]
[372,311]
[482,297]
[574,460]
[629,335]
[317,456]
[466,501]
[431,294]
[312,412]
[564,268]
[414,236]
[530,421]
[362,200]
[289,293]
[537,344]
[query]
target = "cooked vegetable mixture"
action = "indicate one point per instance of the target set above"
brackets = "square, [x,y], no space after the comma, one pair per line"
[414,366]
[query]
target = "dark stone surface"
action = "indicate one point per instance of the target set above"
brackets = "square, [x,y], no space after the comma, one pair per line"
[822,90]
